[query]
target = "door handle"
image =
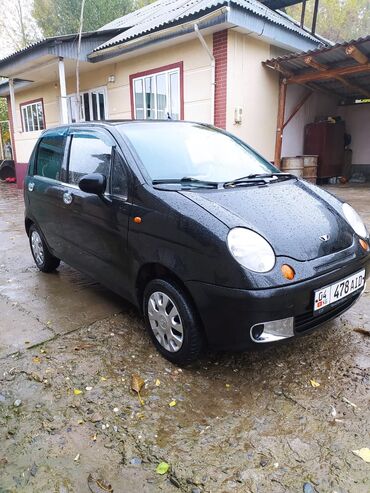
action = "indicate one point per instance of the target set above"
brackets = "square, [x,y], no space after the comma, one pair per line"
[67,198]
[31,186]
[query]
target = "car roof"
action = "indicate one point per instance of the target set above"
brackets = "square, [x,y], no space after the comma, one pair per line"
[115,123]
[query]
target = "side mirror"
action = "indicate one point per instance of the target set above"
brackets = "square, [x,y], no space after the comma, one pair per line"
[94,183]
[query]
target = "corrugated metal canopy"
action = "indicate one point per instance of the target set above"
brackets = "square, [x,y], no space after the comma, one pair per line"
[280,4]
[342,69]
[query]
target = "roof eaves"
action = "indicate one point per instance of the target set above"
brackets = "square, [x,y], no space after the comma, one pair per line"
[202,7]
[50,40]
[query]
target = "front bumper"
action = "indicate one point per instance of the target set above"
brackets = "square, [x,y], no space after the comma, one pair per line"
[228,314]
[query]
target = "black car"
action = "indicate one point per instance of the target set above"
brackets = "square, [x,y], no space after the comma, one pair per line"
[214,244]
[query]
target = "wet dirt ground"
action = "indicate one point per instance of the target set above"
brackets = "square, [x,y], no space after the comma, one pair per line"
[249,422]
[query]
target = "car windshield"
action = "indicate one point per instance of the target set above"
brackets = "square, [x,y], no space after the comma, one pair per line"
[182,151]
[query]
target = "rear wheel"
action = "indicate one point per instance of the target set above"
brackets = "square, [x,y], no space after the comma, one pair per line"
[44,260]
[172,322]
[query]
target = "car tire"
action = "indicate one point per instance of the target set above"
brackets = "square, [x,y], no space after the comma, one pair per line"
[172,322]
[44,260]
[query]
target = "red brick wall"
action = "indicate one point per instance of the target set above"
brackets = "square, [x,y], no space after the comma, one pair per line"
[220,54]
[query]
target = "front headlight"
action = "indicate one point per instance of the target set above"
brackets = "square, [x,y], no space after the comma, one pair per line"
[354,220]
[251,250]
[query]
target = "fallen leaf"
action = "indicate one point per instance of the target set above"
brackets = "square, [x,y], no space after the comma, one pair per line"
[83,346]
[162,468]
[80,421]
[227,385]
[94,437]
[36,360]
[364,453]
[362,331]
[157,383]
[103,379]
[137,383]
[77,391]
[98,485]
[77,458]
[314,383]
[349,402]
[172,403]
[42,350]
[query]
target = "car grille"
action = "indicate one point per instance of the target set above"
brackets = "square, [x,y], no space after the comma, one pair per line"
[307,320]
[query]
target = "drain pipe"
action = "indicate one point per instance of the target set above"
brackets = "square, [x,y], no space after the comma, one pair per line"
[213,71]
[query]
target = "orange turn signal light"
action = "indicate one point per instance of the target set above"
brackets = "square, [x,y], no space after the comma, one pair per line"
[364,244]
[288,272]
[137,220]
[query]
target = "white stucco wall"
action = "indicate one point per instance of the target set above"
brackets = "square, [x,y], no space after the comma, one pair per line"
[197,88]
[357,118]
[317,105]
[255,89]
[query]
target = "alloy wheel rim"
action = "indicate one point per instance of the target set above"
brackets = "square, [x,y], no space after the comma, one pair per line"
[37,247]
[165,321]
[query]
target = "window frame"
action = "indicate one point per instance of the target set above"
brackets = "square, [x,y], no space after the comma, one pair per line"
[89,92]
[157,71]
[35,156]
[65,164]
[30,103]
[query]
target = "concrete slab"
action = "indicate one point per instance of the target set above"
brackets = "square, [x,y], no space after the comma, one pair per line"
[19,330]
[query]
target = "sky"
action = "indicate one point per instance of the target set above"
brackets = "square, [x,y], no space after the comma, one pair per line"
[10,38]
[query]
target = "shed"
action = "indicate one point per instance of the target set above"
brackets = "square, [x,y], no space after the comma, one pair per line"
[331,81]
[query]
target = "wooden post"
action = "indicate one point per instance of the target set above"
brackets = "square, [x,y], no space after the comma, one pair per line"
[280,122]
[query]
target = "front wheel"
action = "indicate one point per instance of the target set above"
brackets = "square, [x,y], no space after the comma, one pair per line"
[44,260]
[172,322]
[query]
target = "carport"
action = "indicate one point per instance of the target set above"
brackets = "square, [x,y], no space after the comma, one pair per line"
[329,84]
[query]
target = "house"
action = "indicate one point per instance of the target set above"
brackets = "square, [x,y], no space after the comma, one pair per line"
[181,59]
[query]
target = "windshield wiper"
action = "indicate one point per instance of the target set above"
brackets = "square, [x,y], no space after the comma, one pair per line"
[258,178]
[185,181]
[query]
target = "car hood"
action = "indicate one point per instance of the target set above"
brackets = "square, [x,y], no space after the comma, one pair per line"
[292,216]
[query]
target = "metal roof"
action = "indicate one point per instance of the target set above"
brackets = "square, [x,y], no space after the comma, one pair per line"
[57,41]
[355,85]
[164,13]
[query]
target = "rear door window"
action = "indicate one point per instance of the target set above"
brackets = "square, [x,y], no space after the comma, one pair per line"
[90,153]
[50,155]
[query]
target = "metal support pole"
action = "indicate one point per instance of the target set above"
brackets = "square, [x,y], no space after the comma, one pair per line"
[280,122]
[303,12]
[314,19]
[63,90]
[12,106]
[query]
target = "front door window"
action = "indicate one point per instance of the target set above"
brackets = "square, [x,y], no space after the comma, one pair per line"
[93,106]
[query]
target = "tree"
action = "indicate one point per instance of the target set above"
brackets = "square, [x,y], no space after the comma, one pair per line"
[62,17]
[337,20]
[17,27]
[3,110]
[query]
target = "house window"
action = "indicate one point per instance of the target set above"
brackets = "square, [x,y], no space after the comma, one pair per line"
[93,105]
[156,95]
[32,116]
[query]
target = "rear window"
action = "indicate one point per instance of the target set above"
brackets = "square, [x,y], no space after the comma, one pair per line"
[50,155]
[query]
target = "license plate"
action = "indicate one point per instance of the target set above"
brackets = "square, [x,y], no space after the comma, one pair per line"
[339,290]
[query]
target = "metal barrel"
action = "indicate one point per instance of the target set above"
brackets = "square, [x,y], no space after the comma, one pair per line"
[310,168]
[293,165]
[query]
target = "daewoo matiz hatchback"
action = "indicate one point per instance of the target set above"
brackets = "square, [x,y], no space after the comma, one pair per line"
[214,244]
